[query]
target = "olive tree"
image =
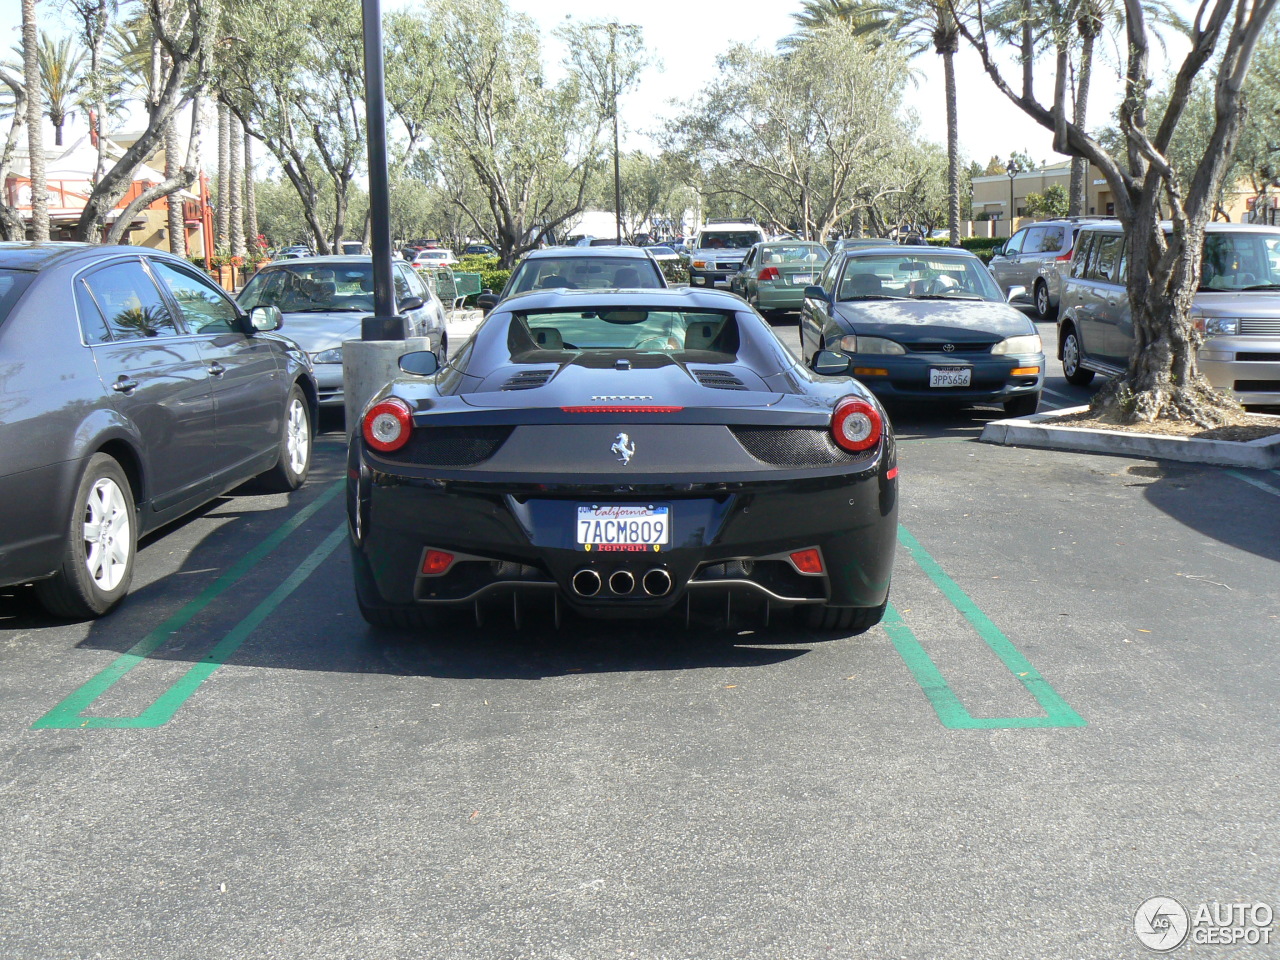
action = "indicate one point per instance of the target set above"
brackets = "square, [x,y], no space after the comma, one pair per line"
[1162,380]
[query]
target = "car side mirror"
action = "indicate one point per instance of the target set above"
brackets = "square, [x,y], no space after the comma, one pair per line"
[814,292]
[1017,296]
[998,250]
[412,303]
[421,363]
[265,317]
[486,301]
[830,364]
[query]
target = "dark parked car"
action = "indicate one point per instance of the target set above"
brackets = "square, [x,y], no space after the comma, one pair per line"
[1236,309]
[623,453]
[479,250]
[132,390]
[579,268]
[922,324]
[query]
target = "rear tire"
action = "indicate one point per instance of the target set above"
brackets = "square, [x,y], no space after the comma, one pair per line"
[1044,309]
[1071,369]
[290,471]
[850,620]
[100,543]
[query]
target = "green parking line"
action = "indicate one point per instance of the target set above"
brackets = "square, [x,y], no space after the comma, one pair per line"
[951,712]
[1274,491]
[66,715]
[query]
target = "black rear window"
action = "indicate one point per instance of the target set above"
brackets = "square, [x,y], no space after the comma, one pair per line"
[13,283]
[713,336]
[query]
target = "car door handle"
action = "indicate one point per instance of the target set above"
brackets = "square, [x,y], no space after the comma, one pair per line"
[125,385]
[216,369]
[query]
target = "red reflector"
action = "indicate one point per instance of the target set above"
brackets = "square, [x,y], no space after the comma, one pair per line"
[603,409]
[436,562]
[769,273]
[891,473]
[807,561]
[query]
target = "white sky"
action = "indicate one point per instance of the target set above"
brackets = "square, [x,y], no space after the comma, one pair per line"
[687,36]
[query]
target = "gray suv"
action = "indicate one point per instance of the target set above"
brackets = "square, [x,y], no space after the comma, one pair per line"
[720,248]
[1036,258]
[1237,309]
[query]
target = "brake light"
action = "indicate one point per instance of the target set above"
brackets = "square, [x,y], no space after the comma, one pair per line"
[807,561]
[855,424]
[388,424]
[769,273]
[1064,257]
[626,409]
[436,562]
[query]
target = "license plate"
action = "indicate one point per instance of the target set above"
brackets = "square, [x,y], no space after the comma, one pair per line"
[949,376]
[802,279]
[624,527]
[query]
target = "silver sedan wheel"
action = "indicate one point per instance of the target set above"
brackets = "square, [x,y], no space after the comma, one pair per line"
[1042,300]
[107,537]
[1070,355]
[297,436]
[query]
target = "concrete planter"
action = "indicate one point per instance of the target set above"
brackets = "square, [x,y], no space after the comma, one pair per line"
[1040,431]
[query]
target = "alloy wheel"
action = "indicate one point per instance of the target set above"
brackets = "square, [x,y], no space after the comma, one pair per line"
[107,539]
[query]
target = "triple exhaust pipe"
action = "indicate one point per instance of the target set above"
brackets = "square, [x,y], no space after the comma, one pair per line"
[655,583]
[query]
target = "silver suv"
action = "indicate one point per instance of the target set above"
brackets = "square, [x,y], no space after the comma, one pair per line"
[720,248]
[1237,309]
[1036,258]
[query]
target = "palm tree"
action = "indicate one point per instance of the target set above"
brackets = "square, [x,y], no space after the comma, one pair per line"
[35,125]
[921,25]
[222,209]
[60,73]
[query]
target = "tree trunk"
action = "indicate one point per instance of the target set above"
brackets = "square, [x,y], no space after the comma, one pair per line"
[11,225]
[250,199]
[172,169]
[35,128]
[222,224]
[1079,165]
[953,147]
[235,187]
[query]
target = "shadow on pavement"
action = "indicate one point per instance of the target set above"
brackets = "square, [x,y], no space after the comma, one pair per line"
[1216,504]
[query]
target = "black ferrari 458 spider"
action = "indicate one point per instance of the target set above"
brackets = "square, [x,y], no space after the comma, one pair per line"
[623,453]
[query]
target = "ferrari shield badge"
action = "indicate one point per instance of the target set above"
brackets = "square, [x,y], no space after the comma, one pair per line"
[623,448]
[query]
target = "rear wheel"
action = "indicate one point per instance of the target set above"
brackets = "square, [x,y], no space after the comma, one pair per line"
[101,541]
[290,471]
[1044,308]
[850,620]
[1071,368]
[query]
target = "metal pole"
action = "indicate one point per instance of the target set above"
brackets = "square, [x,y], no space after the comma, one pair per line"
[385,324]
[617,175]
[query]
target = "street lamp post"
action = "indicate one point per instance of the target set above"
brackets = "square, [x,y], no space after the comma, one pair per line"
[385,324]
[1012,170]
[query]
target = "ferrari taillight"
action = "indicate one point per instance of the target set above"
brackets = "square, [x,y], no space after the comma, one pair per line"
[388,425]
[856,424]
[769,273]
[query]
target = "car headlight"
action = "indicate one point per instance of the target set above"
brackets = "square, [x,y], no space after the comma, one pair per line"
[1216,326]
[1027,344]
[328,356]
[871,345]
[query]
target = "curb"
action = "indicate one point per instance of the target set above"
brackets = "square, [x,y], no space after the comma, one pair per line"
[1039,431]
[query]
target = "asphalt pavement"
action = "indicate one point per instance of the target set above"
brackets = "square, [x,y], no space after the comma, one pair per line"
[1069,709]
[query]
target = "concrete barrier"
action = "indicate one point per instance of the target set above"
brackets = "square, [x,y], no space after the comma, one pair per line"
[368,366]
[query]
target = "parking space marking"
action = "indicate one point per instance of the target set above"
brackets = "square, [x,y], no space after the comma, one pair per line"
[66,715]
[1274,491]
[1062,397]
[951,712]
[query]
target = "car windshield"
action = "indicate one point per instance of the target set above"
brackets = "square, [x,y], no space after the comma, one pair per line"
[794,253]
[586,273]
[1241,261]
[627,328]
[916,277]
[729,240]
[662,251]
[311,287]
[12,284]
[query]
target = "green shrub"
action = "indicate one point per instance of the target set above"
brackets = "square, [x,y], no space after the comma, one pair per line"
[675,271]
[492,276]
